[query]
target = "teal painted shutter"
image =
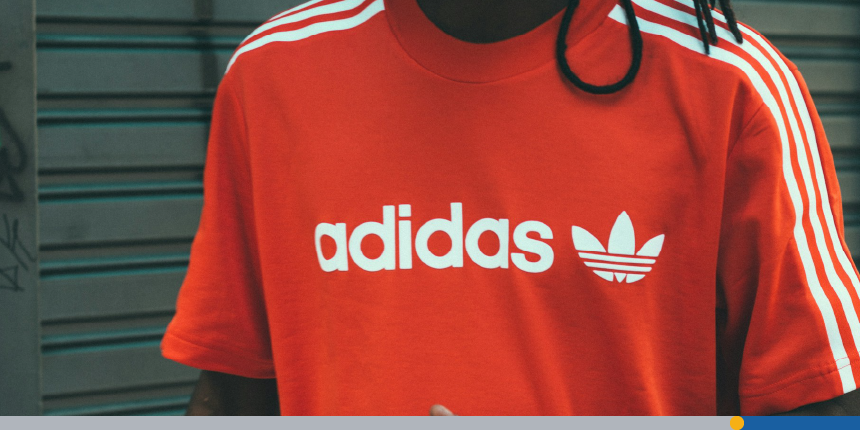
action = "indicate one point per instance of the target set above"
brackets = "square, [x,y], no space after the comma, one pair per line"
[124,96]
[19,307]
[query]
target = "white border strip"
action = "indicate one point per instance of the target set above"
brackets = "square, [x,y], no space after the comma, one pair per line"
[311,30]
[821,300]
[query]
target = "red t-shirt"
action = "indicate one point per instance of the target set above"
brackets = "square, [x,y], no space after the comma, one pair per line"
[395,218]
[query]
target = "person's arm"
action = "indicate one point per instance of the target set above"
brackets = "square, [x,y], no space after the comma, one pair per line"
[224,394]
[221,319]
[786,282]
[846,404]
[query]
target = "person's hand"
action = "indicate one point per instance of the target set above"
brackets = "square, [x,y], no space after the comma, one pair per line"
[440,411]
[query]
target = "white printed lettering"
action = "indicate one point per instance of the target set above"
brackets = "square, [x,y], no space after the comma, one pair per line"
[385,231]
[527,244]
[453,228]
[500,228]
[337,232]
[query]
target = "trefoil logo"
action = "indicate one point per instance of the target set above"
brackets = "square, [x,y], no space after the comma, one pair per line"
[619,261]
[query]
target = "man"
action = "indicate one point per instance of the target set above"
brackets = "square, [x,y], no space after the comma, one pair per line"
[419,202]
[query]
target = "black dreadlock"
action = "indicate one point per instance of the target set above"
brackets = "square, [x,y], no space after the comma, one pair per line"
[707,31]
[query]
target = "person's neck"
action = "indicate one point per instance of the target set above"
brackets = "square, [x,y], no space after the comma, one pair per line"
[487,21]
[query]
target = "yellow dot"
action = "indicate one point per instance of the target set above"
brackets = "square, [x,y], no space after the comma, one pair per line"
[737,423]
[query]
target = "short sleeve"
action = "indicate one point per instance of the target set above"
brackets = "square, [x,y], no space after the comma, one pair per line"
[787,302]
[220,322]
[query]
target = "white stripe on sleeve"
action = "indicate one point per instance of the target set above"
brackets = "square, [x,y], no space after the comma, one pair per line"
[820,298]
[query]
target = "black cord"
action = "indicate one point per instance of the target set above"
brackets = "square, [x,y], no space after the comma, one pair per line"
[635,41]
[726,6]
[709,19]
[705,19]
[707,30]
[700,19]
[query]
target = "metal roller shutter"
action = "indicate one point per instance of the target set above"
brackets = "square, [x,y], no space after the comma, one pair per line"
[124,93]
[19,313]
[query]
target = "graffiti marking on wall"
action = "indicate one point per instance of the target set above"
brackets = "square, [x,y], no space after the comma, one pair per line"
[13,159]
[22,258]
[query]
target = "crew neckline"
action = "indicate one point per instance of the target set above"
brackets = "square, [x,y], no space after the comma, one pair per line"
[469,62]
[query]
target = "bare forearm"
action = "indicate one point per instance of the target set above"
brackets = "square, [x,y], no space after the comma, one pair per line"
[223,394]
[848,404]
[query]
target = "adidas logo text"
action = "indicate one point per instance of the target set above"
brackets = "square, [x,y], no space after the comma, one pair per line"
[453,227]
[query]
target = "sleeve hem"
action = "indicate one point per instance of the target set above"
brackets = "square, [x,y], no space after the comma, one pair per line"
[216,360]
[812,389]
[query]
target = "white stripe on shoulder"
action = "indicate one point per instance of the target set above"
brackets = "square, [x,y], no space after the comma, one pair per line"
[833,277]
[295,9]
[694,44]
[336,7]
[817,227]
[812,140]
[311,30]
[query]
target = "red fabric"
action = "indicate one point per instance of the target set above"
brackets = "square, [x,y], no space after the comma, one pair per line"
[322,140]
